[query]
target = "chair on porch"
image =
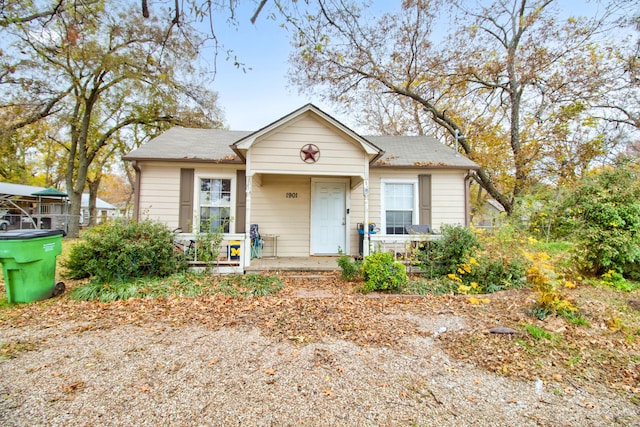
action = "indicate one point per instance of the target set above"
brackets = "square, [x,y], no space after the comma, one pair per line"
[418,229]
[256,241]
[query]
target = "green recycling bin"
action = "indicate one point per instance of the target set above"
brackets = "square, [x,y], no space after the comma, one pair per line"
[28,259]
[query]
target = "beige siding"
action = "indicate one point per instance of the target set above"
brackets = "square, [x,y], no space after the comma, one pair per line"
[160,188]
[159,191]
[280,152]
[448,198]
[356,216]
[286,217]
[289,217]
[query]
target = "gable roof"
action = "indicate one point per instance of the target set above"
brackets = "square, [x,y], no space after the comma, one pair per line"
[100,204]
[225,146]
[244,143]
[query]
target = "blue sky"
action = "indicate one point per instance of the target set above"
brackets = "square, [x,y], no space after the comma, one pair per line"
[261,95]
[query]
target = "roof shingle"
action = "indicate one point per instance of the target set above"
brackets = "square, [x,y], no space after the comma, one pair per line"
[214,145]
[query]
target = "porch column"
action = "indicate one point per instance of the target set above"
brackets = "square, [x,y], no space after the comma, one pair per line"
[366,238]
[247,226]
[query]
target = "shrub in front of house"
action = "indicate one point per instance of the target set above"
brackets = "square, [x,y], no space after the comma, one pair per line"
[117,252]
[475,264]
[382,272]
[442,256]
[350,270]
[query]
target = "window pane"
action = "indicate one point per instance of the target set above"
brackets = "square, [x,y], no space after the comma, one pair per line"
[399,196]
[215,192]
[399,205]
[215,205]
[397,220]
[214,219]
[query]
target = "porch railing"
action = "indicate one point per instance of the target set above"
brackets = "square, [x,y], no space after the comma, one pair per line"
[230,258]
[402,246]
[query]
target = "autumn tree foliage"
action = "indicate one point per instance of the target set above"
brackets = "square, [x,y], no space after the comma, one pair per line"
[98,77]
[516,80]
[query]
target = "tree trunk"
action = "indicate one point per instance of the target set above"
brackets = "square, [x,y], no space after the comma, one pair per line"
[93,195]
[75,205]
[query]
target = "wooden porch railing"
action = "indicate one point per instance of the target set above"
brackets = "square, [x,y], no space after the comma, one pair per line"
[230,259]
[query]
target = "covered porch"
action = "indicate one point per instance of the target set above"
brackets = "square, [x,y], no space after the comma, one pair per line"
[236,254]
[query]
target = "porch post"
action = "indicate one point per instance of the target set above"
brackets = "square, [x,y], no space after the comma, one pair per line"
[247,226]
[366,238]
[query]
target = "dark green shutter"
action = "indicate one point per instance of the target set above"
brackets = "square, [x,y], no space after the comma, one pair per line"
[424,192]
[185,215]
[241,201]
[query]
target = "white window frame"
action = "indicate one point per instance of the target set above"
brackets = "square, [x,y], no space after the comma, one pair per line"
[232,199]
[383,209]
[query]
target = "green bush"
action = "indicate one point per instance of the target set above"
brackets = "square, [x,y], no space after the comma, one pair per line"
[117,252]
[500,261]
[463,262]
[603,213]
[381,272]
[442,256]
[350,270]
[493,272]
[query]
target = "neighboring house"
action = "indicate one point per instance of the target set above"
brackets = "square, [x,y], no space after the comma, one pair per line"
[104,211]
[490,215]
[22,206]
[306,180]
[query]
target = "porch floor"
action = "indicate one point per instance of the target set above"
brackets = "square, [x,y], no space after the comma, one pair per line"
[312,263]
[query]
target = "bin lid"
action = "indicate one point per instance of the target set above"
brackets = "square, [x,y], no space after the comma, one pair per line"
[29,234]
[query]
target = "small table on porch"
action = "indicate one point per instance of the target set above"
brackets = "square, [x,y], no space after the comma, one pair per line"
[274,244]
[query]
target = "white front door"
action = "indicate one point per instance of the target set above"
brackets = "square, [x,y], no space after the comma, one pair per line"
[328,218]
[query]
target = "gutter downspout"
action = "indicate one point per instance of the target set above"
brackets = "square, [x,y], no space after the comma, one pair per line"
[136,191]
[467,195]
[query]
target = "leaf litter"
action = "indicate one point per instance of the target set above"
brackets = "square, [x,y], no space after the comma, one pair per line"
[602,359]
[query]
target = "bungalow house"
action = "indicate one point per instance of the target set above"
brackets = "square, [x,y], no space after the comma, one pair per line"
[307,181]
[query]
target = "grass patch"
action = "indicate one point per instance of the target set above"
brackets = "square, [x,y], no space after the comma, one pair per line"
[183,284]
[539,333]
[4,302]
[436,286]
[351,270]
[576,319]
[553,248]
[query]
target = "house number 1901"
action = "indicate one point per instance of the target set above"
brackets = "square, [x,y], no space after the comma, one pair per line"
[291,195]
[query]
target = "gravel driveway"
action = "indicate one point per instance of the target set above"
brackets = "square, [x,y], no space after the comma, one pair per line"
[159,372]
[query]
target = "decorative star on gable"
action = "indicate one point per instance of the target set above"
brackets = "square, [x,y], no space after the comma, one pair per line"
[310,153]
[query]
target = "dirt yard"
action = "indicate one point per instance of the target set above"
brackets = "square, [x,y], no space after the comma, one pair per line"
[321,354]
